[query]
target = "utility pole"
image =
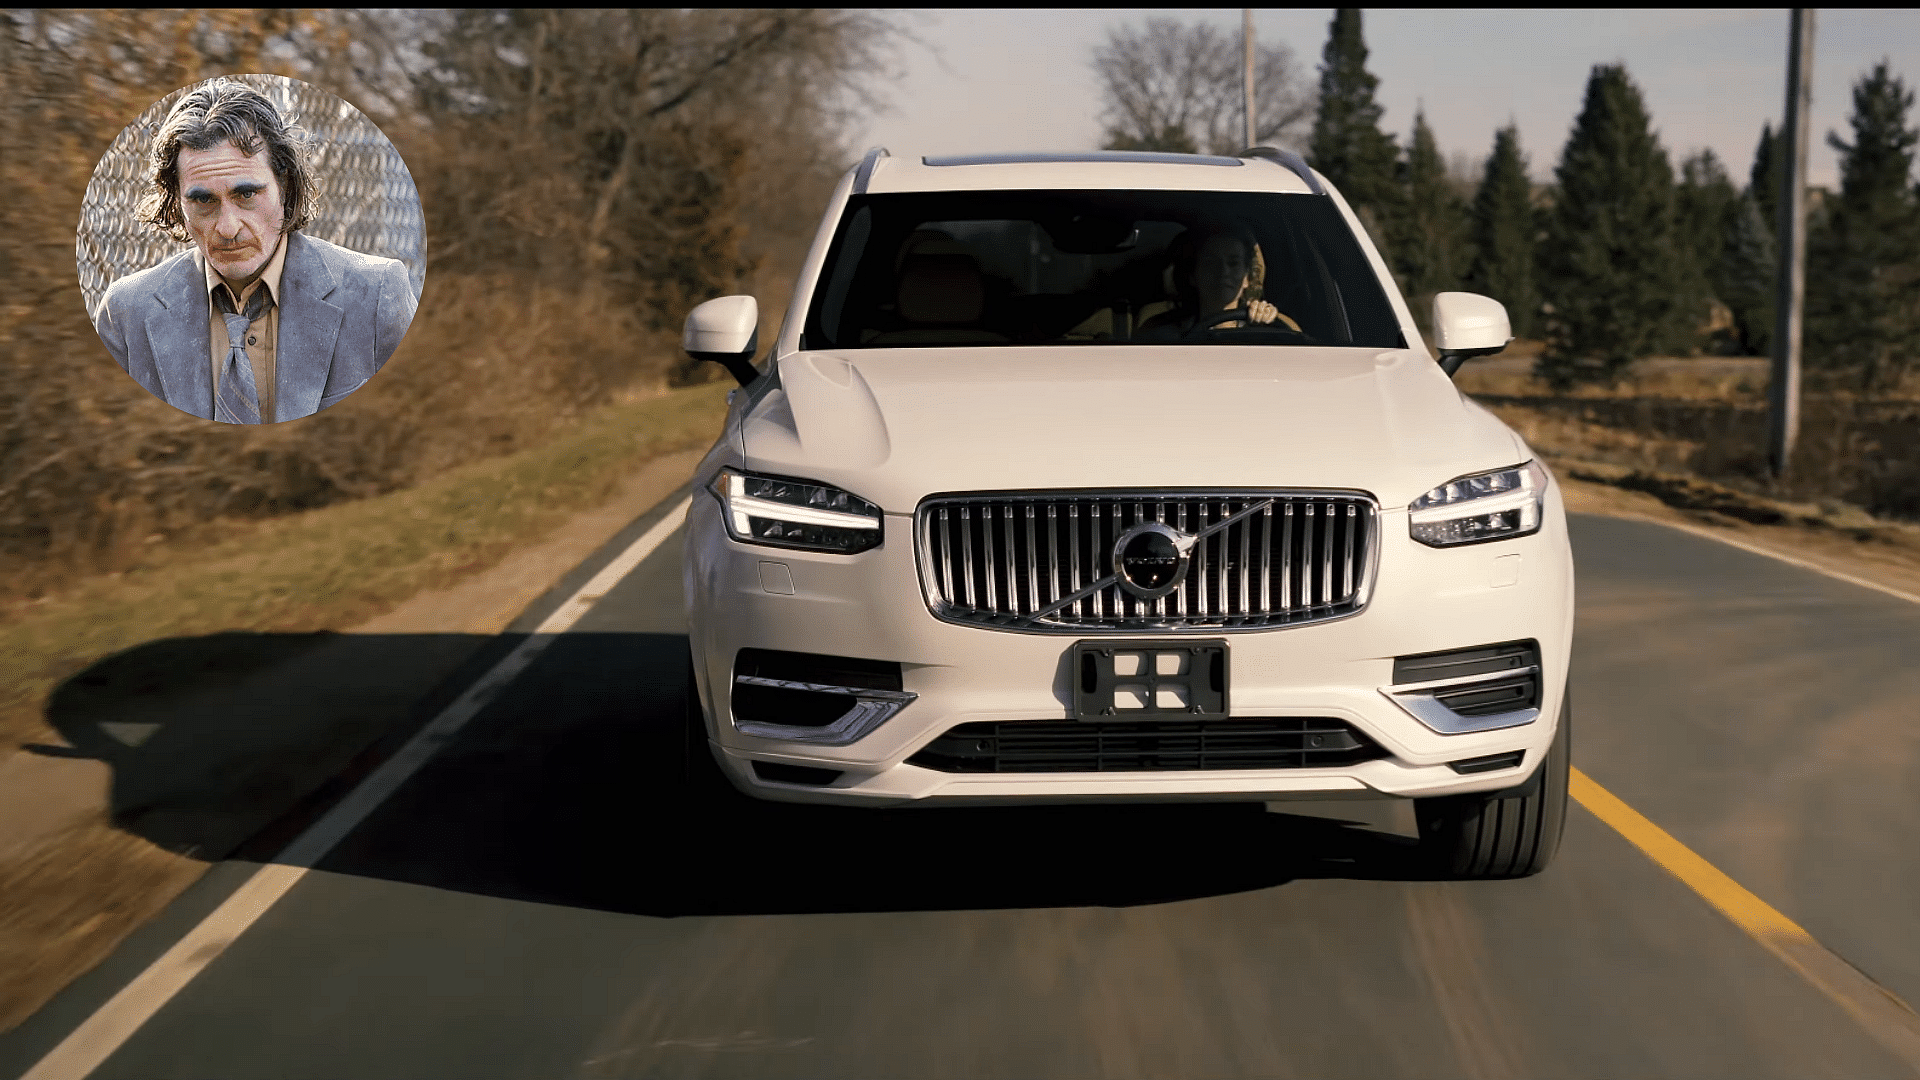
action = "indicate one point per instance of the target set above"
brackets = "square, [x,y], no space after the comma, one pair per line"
[1246,40]
[1783,390]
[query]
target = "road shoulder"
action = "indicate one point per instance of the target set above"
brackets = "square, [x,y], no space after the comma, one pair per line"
[1879,553]
[81,874]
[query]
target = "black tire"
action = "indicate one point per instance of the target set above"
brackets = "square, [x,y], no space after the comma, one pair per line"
[1501,834]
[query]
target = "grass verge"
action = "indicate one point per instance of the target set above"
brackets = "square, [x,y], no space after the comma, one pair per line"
[333,568]
[73,896]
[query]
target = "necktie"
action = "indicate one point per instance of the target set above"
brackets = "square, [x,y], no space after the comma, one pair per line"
[238,401]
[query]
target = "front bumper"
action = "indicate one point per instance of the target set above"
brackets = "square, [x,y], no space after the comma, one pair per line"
[871,606]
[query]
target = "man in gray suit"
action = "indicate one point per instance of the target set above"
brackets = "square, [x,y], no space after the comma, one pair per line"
[259,322]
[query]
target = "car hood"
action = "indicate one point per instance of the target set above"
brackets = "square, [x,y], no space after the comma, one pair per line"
[896,425]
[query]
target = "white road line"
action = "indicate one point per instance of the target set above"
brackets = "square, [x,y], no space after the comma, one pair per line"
[1803,564]
[107,1029]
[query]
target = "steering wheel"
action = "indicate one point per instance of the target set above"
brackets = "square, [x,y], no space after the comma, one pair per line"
[1242,315]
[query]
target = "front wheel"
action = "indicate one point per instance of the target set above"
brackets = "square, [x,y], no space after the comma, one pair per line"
[1501,834]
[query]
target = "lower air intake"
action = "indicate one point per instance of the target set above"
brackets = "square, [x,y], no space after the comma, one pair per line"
[1074,746]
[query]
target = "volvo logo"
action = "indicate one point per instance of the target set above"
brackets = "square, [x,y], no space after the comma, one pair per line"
[1150,559]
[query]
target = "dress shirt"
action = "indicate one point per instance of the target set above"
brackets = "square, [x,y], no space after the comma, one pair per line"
[262,335]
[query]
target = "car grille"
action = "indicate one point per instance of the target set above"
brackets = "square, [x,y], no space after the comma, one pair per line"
[1064,746]
[1010,561]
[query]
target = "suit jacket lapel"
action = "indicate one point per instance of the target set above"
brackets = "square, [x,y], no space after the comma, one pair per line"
[177,335]
[308,328]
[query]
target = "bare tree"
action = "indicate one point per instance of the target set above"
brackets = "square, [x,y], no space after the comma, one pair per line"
[1176,86]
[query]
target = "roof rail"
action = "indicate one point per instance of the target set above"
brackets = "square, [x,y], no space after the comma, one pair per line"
[865,172]
[1289,159]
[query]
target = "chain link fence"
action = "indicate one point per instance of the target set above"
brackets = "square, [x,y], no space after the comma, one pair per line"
[367,201]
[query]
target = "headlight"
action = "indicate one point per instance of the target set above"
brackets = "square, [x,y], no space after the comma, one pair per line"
[796,514]
[1494,505]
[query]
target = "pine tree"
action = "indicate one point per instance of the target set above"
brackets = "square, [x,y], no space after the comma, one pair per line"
[1502,233]
[1863,261]
[1429,234]
[1609,266]
[1348,146]
[1763,180]
[1746,275]
[1703,214]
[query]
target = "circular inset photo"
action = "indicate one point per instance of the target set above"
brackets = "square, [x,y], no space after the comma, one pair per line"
[251,249]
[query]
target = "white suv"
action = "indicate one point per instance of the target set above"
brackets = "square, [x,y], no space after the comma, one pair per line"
[1125,476]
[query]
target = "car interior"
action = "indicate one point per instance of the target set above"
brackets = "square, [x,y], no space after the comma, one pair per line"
[964,269]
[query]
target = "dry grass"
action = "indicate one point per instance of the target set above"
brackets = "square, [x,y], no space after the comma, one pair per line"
[1716,378]
[489,367]
[1706,417]
[340,565]
[569,230]
[71,899]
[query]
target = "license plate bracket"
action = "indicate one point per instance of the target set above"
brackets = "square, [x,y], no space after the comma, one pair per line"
[1149,680]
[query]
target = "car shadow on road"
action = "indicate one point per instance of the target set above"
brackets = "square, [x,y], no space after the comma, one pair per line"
[210,739]
[566,791]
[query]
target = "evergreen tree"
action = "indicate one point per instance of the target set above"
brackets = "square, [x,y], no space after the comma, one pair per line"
[1863,259]
[1703,215]
[1502,233]
[1348,146]
[1429,234]
[1745,278]
[1763,180]
[1609,266]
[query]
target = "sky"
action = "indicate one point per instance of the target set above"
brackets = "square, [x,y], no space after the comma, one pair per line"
[1011,80]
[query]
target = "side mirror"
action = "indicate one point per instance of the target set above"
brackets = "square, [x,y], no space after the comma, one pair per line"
[1467,325]
[727,332]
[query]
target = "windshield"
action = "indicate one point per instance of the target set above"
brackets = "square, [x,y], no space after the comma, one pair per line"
[1096,267]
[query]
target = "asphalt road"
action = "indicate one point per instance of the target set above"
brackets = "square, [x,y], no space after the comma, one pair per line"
[531,905]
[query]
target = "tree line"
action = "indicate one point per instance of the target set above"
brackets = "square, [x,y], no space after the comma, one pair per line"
[1620,256]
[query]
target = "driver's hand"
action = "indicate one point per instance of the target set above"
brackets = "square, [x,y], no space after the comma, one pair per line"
[1261,311]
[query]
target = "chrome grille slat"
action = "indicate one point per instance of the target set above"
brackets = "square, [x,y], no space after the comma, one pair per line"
[1286,560]
[986,557]
[1266,557]
[1011,562]
[1073,553]
[1198,572]
[1033,565]
[1306,557]
[1245,578]
[1179,594]
[946,553]
[1326,564]
[1346,564]
[966,551]
[1217,563]
[1054,580]
[1012,602]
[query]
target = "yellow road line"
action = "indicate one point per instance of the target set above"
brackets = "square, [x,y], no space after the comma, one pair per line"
[1885,1017]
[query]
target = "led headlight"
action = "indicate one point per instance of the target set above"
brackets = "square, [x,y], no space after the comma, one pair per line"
[796,514]
[1494,505]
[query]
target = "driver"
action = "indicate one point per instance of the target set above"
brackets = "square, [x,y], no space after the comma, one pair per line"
[1212,272]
